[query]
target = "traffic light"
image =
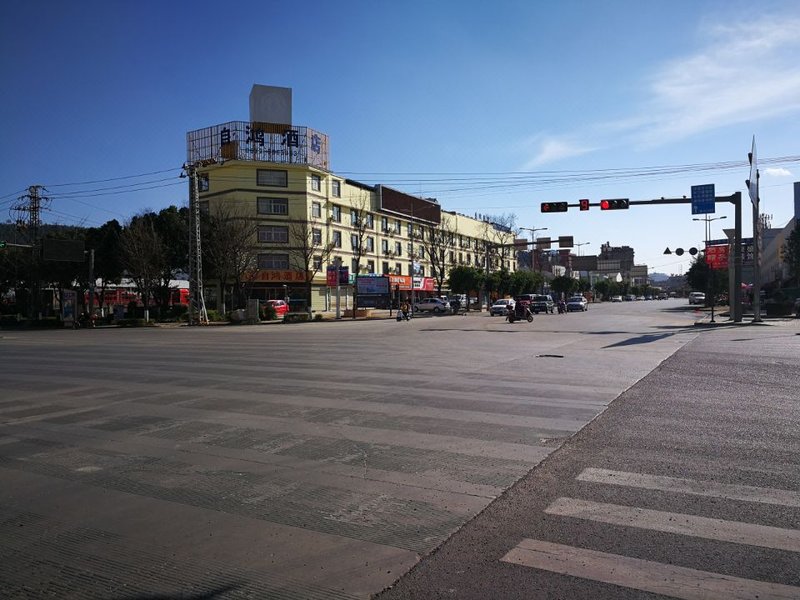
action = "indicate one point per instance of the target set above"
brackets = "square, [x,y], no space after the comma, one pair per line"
[548,207]
[2,244]
[617,204]
[584,204]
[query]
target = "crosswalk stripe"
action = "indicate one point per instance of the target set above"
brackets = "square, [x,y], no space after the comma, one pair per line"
[645,575]
[702,527]
[727,491]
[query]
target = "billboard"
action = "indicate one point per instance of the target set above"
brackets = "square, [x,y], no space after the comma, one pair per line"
[372,284]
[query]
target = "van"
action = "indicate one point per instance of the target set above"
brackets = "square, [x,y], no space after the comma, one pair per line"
[697,298]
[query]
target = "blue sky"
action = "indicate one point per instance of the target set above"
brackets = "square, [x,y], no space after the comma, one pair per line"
[490,107]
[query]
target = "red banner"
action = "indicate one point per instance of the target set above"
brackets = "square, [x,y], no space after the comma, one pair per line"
[717,257]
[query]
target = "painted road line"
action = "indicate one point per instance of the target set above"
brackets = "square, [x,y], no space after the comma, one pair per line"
[747,493]
[644,575]
[655,520]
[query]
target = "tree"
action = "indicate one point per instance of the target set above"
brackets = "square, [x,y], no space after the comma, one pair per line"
[308,251]
[791,254]
[361,221]
[143,254]
[230,252]
[499,282]
[172,226]
[563,285]
[702,277]
[105,241]
[465,280]
[525,282]
[435,242]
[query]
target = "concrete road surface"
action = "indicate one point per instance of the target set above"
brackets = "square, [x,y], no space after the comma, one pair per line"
[317,460]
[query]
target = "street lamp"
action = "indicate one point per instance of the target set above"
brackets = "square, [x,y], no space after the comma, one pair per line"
[578,246]
[533,231]
[707,220]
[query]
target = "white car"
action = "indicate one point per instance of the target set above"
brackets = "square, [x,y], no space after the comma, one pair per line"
[432,304]
[577,303]
[501,307]
[697,298]
[616,298]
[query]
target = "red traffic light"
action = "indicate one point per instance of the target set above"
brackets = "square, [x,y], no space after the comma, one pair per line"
[548,207]
[616,204]
[584,204]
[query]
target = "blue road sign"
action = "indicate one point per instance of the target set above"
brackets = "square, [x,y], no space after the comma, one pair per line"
[703,199]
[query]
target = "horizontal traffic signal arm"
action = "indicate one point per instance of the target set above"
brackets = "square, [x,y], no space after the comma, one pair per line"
[548,207]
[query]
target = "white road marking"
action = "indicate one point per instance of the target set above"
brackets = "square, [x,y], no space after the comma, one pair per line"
[702,527]
[727,491]
[645,575]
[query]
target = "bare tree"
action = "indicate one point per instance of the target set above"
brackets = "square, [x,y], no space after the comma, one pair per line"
[230,250]
[143,255]
[308,252]
[435,242]
[361,223]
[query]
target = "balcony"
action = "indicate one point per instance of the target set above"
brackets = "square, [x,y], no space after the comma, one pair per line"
[263,142]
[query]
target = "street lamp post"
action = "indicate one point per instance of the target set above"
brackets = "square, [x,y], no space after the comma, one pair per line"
[533,231]
[707,220]
[578,246]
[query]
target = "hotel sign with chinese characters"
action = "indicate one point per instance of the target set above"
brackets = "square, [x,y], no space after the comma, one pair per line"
[279,276]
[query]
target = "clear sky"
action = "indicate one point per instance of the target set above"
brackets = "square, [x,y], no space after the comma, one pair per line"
[491,107]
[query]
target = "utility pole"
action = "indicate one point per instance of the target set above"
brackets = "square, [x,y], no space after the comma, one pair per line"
[197,305]
[28,209]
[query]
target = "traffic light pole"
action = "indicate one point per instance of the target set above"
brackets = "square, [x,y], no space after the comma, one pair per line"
[735,199]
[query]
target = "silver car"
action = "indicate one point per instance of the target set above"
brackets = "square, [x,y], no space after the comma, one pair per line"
[501,307]
[432,304]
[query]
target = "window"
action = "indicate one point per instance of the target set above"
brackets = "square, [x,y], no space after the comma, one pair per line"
[273,206]
[273,261]
[273,234]
[337,239]
[316,210]
[469,258]
[410,248]
[370,245]
[354,266]
[354,220]
[336,213]
[422,252]
[370,221]
[370,266]
[385,268]
[203,206]
[421,271]
[384,224]
[398,249]
[354,241]
[316,237]
[317,263]
[397,225]
[202,182]
[452,256]
[460,258]
[316,183]
[336,188]
[385,246]
[410,230]
[272,177]
[398,269]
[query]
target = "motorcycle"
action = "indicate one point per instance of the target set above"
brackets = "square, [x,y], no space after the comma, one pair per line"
[562,307]
[521,311]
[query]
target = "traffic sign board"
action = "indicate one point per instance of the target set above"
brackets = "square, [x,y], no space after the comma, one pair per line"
[703,199]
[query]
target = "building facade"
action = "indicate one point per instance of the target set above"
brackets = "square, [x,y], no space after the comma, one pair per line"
[306,218]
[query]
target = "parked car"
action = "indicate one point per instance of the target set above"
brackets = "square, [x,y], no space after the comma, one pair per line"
[616,298]
[697,298]
[797,308]
[630,298]
[542,303]
[280,306]
[501,307]
[432,304]
[577,303]
[662,296]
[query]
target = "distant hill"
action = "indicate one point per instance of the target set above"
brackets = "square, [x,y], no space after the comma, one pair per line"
[659,277]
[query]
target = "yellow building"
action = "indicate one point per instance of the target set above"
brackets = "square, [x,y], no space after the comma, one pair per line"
[304,218]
